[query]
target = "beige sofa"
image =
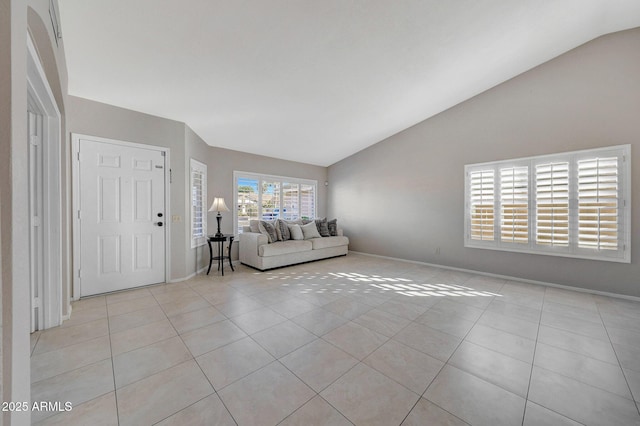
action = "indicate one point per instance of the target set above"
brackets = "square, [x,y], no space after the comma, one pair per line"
[255,251]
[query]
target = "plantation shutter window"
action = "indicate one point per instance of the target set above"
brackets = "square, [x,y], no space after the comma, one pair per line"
[574,204]
[598,203]
[198,203]
[514,205]
[307,201]
[291,200]
[270,200]
[482,204]
[266,197]
[552,204]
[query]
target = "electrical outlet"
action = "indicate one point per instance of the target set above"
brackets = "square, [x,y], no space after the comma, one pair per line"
[176,218]
[437,250]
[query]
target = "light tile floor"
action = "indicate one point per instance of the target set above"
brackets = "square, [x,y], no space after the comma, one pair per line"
[351,340]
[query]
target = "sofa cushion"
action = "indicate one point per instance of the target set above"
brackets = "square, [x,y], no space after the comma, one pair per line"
[253,225]
[326,242]
[310,230]
[323,228]
[284,247]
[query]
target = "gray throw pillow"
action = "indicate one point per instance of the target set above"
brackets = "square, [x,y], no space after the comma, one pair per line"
[283,230]
[310,230]
[323,229]
[269,230]
[333,227]
[296,232]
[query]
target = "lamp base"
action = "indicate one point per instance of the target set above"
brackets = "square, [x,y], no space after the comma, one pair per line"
[219,219]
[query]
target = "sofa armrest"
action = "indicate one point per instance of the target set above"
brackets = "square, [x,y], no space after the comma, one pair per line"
[249,243]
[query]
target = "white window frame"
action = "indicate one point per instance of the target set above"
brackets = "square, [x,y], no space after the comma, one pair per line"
[270,178]
[623,254]
[196,166]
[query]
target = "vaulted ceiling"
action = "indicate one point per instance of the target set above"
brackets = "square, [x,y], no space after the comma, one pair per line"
[315,81]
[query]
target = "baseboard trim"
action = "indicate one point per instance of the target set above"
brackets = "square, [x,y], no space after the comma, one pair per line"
[63,318]
[507,277]
[188,277]
[199,271]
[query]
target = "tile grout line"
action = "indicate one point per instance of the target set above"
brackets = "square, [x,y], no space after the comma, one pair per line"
[591,358]
[618,358]
[446,363]
[66,329]
[113,368]
[533,360]
[215,391]
[575,379]
[193,358]
[317,393]
[250,336]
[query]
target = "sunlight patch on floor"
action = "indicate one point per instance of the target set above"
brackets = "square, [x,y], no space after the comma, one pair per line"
[373,284]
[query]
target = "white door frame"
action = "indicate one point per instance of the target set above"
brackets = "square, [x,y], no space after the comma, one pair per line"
[41,100]
[75,171]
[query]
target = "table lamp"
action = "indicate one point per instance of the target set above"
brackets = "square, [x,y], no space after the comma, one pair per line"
[218,206]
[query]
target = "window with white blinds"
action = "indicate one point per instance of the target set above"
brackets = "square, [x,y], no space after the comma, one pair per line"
[514,204]
[482,184]
[552,204]
[198,185]
[575,204]
[598,208]
[266,197]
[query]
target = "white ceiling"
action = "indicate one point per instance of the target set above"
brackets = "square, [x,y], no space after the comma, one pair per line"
[315,81]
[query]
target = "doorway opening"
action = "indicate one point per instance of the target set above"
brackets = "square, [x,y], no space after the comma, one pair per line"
[45,197]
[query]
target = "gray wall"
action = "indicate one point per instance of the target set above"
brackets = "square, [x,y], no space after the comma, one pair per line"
[196,148]
[5,185]
[97,119]
[404,197]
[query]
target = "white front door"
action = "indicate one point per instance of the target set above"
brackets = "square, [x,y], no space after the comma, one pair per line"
[122,216]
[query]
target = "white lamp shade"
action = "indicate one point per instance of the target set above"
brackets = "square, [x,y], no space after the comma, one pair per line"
[218,205]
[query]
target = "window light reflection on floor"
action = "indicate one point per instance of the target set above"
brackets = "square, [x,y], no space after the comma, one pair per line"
[376,283]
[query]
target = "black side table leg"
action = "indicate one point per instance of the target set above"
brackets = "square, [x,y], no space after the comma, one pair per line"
[230,243]
[221,256]
[210,256]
